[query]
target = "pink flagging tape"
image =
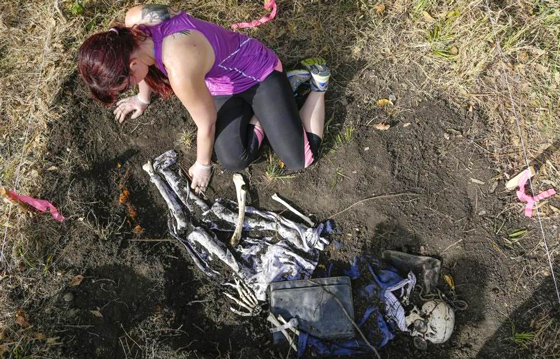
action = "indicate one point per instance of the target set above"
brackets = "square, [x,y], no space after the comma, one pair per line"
[523,197]
[39,204]
[268,4]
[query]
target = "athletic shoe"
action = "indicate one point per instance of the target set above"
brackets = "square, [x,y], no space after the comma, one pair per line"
[298,77]
[320,73]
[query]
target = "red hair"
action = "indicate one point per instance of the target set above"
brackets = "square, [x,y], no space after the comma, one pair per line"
[104,64]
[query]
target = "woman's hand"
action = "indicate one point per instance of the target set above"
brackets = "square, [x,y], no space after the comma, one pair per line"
[127,105]
[200,175]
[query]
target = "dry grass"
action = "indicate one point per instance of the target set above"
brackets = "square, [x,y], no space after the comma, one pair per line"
[451,41]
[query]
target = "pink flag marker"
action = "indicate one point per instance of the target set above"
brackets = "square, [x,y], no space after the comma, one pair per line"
[523,197]
[39,204]
[268,4]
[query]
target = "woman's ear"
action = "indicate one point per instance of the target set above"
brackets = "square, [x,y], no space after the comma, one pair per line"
[133,65]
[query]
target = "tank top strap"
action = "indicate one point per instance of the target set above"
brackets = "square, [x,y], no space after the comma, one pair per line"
[157,55]
[157,38]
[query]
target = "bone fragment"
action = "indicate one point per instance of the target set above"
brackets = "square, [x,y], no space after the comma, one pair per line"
[283,321]
[272,319]
[293,210]
[241,198]
[512,183]
[168,196]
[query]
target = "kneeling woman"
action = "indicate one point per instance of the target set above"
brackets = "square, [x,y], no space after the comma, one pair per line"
[233,87]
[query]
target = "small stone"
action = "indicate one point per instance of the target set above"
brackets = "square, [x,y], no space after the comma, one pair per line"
[366,149]
[68,297]
[393,98]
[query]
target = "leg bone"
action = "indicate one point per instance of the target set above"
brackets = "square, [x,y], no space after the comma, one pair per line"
[166,193]
[241,198]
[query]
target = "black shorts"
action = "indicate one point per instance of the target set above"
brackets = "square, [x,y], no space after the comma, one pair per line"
[272,101]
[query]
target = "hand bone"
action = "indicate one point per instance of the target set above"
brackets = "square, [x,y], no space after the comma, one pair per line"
[247,299]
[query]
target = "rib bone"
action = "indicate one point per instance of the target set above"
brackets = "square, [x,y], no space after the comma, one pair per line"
[241,198]
[293,210]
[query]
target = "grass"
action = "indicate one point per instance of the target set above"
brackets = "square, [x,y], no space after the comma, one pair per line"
[523,338]
[186,138]
[450,41]
[275,169]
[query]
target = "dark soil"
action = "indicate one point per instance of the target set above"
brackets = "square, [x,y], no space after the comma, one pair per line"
[146,299]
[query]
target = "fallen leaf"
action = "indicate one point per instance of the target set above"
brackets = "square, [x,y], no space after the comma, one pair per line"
[97,313]
[123,197]
[138,229]
[21,319]
[39,336]
[381,126]
[450,281]
[77,280]
[518,233]
[132,213]
[428,17]
[52,341]
[384,102]
[379,8]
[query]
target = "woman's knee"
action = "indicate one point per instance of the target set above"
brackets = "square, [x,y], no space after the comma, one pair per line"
[233,162]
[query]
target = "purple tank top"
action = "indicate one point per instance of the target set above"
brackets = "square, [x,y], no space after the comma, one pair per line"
[240,61]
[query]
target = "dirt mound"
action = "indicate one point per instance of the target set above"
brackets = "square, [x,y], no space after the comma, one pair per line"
[422,186]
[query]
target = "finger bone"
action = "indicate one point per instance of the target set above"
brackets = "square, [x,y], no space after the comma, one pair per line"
[238,302]
[249,293]
[238,312]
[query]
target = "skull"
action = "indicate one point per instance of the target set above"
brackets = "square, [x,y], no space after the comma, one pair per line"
[434,323]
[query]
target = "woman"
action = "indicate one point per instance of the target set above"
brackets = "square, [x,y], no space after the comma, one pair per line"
[232,86]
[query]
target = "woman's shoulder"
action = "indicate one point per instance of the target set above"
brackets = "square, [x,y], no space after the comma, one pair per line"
[149,14]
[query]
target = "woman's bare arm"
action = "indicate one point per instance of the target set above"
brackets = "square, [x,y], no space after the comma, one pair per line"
[187,62]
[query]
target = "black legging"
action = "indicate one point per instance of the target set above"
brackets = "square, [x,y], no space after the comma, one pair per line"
[273,103]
